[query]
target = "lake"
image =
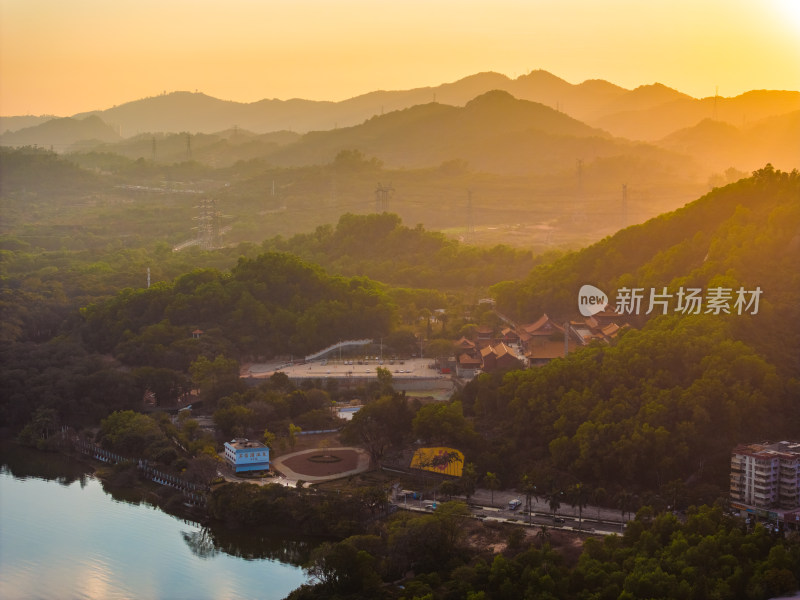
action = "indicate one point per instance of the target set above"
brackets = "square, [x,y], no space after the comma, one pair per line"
[63,536]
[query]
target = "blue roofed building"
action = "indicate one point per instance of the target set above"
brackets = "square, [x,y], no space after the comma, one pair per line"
[244,455]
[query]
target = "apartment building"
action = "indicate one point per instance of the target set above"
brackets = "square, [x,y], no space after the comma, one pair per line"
[766,475]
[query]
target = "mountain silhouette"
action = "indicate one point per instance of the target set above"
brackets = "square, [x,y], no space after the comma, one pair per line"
[660,120]
[718,145]
[494,132]
[648,112]
[62,133]
[530,124]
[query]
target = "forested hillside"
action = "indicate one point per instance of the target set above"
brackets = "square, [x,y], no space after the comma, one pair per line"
[382,248]
[659,556]
[664,405]
[667,402]
[71,236]
[746,235]
[272,305]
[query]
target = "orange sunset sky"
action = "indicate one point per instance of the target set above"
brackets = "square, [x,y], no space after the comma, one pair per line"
[61,57]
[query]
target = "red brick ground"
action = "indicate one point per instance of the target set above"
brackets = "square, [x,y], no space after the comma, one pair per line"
[302,465]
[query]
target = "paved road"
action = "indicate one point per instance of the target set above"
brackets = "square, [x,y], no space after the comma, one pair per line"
[522,518]
[502,497]
[495,506]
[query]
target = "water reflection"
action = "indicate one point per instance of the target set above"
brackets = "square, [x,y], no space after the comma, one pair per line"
[91,546]
[249,545]
[22,462]
[255,545]
[204,541]
[200,542]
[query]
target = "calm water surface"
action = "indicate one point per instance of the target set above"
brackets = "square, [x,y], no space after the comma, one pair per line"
[63,536]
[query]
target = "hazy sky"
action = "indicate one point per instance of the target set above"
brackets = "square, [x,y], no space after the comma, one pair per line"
[66,56]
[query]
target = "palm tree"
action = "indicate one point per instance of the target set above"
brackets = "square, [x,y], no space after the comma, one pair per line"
[554,498]
[579,496]
[624,503]
[599,496]
[492,482]
[544,535]
[530,491]
[469,477]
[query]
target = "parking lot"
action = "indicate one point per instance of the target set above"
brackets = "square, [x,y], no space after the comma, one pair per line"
[407,374]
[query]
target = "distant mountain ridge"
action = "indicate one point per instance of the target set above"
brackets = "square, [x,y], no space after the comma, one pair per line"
[62,133]
[494,133]
[596,102]
[533,124]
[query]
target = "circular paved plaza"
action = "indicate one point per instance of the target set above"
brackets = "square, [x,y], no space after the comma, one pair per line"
[320,464]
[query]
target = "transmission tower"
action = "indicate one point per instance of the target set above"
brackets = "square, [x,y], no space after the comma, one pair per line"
[716,96]
[624,205]
[188,146]
[208,224]
[382,198]
[470,218]
[578,204]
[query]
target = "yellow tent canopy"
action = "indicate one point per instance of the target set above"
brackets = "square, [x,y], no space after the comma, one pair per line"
[447,461]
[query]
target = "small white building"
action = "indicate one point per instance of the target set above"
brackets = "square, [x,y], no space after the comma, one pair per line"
[246,455]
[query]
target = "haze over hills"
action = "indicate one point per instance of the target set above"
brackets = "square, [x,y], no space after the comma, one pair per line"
[551,124]
[721,239]
[494,132]
[62,133]
[597,102]
[718,145]
[534,167]
[658,121]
